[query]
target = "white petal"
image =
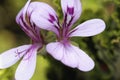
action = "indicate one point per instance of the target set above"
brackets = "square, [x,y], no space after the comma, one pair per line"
[56,50]
[10,57]
[18,16]
[26,67]
[71,56]
[77,9]
[89,28]
[85,63]
[43,16]
[23,12]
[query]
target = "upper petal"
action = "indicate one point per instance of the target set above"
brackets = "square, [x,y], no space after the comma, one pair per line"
[10,57]
[25,10]
[27,66]
[89,28]
[72,10]
[26,23]
[70,55]
[22,12]
[43,16]
[18,16]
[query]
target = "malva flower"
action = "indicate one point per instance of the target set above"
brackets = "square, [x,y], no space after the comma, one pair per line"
[28,52]
[46,18]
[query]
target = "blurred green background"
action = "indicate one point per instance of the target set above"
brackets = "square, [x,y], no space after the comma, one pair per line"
[103,48]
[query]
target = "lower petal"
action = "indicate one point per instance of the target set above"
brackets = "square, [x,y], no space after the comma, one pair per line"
[71,56]
[55,49]
[85,63]
[27,66]
[10,57]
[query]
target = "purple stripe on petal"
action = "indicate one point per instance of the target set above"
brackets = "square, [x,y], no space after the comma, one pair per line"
[44,16]
[9,57]
[70,10]
[52,18]
[26,67]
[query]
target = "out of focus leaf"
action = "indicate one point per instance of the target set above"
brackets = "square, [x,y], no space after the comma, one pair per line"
[7,40]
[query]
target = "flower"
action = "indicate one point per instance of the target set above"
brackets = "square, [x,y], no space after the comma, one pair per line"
[46,18]
[27,52]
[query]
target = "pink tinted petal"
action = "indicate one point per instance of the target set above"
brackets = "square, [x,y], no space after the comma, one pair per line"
[62,53]
[25,10]
[22,12]
[18,16]
[55,49]
[85,63]
[71,8]
[89,28]
[43,16]
[70,55]
[26,67]
[10,57]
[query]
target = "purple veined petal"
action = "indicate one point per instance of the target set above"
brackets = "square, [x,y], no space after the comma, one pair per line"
[72,10]
[21,20]
[10,57]
[26,29]
[89,28]
[70,55]
[18,16]
[27,66]
[43,16]
[23,12]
